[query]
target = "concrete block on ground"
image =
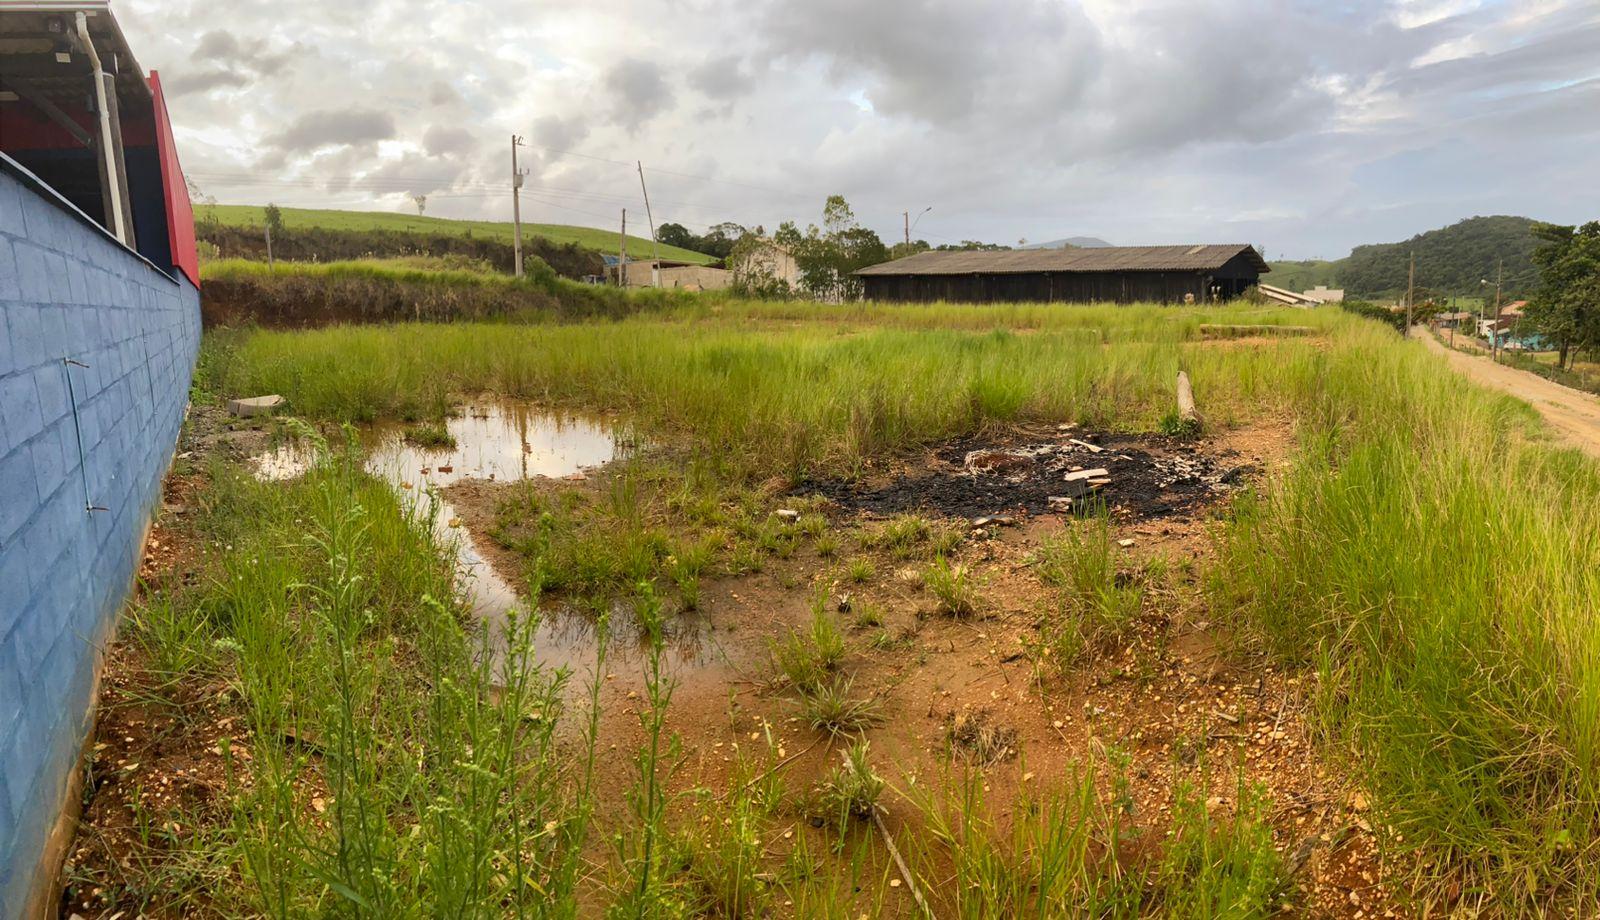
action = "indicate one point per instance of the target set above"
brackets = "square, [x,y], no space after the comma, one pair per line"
[255,405]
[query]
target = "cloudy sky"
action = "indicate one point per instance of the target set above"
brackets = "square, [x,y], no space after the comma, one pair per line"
[1304,126]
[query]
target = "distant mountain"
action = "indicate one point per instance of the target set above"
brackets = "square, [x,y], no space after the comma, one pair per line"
[1450,260]
[1081,242]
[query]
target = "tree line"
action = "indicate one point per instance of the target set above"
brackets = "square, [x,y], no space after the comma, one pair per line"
[1565,309]
[826,255]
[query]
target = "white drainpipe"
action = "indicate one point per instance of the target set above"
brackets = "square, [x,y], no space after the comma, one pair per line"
[107,148]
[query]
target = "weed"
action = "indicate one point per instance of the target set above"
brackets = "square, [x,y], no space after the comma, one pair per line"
[811,525]
[852,790]
[899,536]
[804,657]
[953,586]
[431,435]
[1095,605]
[827,706]
[860,570]
[826,545]
[1174,425]
[1049,859]
[868,616]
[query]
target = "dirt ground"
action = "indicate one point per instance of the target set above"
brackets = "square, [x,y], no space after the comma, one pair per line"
[1179,695]
[156,740]
[1177,692]
[1573,415]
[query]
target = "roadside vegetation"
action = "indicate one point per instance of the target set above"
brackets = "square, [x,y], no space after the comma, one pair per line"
[296,219]
[296,243]
[405,289]
[1425,562]
[370,760]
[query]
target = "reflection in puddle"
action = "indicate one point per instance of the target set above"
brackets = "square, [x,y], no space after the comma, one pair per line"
[502,442]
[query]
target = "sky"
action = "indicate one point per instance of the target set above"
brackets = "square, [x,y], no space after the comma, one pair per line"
[1303,126]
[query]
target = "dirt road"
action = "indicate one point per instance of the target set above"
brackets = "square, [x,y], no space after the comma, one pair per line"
[1575,416]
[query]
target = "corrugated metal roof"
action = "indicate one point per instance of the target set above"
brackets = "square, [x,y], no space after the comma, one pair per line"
[1097,259]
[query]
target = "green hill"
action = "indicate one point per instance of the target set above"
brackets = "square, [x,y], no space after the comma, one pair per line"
[599,240]
[1302,276]
[1452,260]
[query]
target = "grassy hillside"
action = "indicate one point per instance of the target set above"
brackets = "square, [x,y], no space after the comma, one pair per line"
[1301,276]
[242,292]
[588,237]
[1452,260]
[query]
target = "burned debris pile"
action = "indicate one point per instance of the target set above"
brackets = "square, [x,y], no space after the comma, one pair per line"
[1069,471]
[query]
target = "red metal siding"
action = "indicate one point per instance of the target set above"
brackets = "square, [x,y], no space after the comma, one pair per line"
[180,214]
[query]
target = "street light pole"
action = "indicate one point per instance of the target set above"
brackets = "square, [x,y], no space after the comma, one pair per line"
[914,223]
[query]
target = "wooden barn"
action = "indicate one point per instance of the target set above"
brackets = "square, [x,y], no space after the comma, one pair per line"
[1119,274]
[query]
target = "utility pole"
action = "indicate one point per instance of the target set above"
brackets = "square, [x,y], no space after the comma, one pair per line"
[516,203]
[1411,291]
[622,250]
[1499,276]
[268,229]
[655,244]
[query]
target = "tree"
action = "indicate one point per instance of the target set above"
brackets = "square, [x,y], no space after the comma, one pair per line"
[972,246]
[901,250]
[720,238]
[1566,308]
[274,218]
[676,235]
[717,241]
[754,262]
[827,257]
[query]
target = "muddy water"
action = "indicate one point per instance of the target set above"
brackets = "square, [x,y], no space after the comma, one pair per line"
[502,441]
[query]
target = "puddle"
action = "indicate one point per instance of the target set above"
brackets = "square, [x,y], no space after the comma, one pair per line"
[501,442]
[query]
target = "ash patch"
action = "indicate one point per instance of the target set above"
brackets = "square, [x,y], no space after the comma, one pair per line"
[1144,477]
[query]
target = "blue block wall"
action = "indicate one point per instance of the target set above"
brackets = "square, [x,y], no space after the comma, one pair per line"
[70,290]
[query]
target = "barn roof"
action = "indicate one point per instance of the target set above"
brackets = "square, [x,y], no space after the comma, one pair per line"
[1097,259]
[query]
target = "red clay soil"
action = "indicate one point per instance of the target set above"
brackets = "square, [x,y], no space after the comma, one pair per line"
[1176,692]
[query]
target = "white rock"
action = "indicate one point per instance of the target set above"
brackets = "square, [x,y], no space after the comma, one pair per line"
[254,405]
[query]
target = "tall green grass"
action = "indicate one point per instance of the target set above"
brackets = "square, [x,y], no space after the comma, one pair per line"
[301,218]
[383,764]
[309,294]
[1067,852]
[1427,555]
[791,395]
[1439,571]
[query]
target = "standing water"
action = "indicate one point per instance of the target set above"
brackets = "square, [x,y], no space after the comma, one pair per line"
[499,442]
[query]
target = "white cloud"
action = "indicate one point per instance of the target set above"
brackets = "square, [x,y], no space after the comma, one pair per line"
[1291,123]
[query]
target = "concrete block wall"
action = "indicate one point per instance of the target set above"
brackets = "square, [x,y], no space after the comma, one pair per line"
[70,291]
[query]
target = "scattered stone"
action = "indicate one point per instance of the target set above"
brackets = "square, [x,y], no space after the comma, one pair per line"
[255,405]
[787,515]
[1098,472]
[1125,542]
